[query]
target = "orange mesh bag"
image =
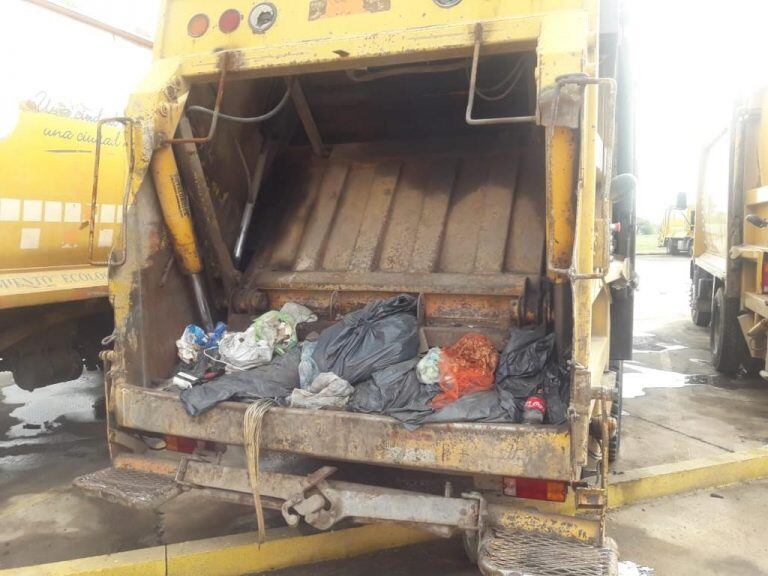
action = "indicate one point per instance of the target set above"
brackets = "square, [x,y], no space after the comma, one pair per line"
[466,367]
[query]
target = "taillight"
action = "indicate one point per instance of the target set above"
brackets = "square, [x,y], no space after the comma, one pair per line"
[765,274]
[230,20]
[180,444]
[198,25]
[552,490]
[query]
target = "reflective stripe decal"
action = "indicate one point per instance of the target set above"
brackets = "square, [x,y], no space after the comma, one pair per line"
[10,209]
[33,210]
[30,239]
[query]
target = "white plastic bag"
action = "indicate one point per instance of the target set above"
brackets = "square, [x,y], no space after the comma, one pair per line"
[300,313]
[241,350]
[427,370]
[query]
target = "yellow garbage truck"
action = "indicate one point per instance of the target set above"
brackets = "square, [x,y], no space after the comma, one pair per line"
[676,231]
[475,156]
[729,268]
[55,243]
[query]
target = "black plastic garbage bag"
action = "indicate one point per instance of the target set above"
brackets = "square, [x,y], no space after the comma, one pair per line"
[529,364]
[274,380]
[383,333]
[523,361]
[395,391]
[557,392]
[483,406]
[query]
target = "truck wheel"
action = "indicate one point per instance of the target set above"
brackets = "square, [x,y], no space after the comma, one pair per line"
[726,342]
[701,307]
[616,408]
[672,247]
[471,545]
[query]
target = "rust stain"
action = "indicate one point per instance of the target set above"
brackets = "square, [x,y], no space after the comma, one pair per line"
[332,8]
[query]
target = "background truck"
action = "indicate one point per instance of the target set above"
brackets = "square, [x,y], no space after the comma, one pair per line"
[729,269]
[332,153]
[53,289]
[676,231]
[55,237]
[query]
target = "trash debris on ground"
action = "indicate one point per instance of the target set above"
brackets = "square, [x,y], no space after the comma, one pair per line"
[327,391]
[194,340]
[629,568]
[277,329]
[466,367]
[428,369]
[365,341]
[275,380]
[243,350]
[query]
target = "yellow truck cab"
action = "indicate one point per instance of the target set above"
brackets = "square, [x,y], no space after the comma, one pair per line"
[333,153]
[53,273]
[729,268]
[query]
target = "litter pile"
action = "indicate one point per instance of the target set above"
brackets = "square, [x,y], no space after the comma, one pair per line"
[370,362]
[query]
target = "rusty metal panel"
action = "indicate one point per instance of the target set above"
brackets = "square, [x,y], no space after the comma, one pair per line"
[454,218]
[465,448]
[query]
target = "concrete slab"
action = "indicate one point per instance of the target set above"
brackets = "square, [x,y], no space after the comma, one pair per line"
[709,533]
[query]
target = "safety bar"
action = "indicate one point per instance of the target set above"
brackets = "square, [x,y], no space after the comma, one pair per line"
[128,125]
[473,88]
[582,80]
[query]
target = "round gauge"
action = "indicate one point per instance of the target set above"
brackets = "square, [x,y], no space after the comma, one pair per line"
[262,17]
[447,3]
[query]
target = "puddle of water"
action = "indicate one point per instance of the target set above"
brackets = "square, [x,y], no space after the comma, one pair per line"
[629,568]
[43,410]
[643,343]
[21,462]
[638,378]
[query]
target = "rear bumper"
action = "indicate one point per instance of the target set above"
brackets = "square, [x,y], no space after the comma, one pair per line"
[458,448]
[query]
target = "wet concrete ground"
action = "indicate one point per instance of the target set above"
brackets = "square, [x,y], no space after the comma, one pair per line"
[676,408]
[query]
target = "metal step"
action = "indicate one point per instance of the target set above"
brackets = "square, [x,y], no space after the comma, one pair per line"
[134,488]
[518,553]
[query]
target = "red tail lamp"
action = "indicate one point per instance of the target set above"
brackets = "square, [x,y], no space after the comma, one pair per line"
[551,490]
[229,20]
[198,25]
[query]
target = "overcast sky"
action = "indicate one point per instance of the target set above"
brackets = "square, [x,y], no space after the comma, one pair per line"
[692,59]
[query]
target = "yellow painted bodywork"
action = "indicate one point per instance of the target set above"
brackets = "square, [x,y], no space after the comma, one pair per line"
[175,207]
[563,182]
[46,175]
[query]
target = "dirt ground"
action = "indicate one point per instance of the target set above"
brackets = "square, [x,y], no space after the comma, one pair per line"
[676,408]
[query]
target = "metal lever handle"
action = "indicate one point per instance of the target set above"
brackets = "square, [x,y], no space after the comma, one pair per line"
[473,88]
[128,124]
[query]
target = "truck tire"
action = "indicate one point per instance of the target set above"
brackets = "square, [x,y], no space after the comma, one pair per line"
[672,247]
[726,342]
[701,306]
[471,545]
[614,445]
